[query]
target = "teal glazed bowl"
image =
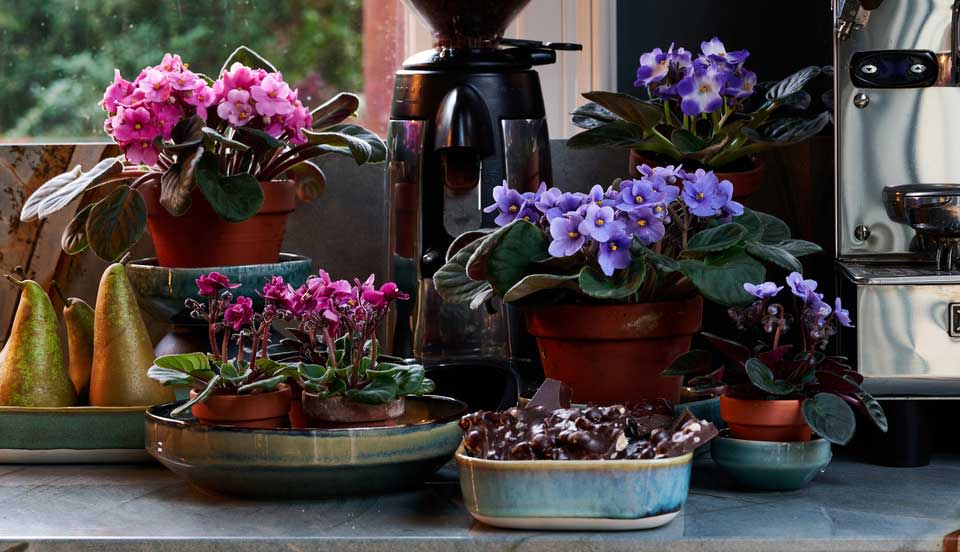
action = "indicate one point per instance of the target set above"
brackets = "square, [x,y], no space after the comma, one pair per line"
[574,494]
[771,466]
[308,463]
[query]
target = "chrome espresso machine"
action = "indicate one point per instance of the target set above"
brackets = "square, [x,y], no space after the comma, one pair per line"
[897,108]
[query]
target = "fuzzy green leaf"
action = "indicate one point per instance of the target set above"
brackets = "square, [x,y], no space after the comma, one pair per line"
[533,283]
[201,396]
[830,417]
[521,244]
[246,56]
[775,255]
[762,378]
[623,283]
[720,278]
[116,223]
[60,190]
[630,108]
[381,390]
[235,198]
[335,110]
[74,237]
[451,280]
[718,238]
[692,363]
[268,384]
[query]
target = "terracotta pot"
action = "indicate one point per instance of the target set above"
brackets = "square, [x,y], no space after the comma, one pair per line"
[298,420]
[340,410]
[759,420]
[745,183]
[201,238]
[615,353]
[258,410]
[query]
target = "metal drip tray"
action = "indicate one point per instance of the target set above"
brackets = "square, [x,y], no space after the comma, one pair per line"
[933,211]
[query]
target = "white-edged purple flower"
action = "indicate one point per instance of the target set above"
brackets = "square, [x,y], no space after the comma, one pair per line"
[725,202]
[701,193]
[597,195]
[614,253]
[764,290]
[567,239]
[799,286]
[548,200]
[528,213]
[815,303]
[644,223]
[567,203]
[714,48]
[739,85]
[599,224]
[842,314]
[669,174]
[634,193]
[509,201]
[700,92]
[654,67]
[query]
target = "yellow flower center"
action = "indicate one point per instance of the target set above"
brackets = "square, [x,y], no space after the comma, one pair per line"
[157,85]
[243,115]
[144,145]
[513,209]
[658,208]
[639,199]
[526,218]
[641,222]
[704,89]
[137,126]
[572,235]
[699,195]
[613,247]
[273,94]
[600,222]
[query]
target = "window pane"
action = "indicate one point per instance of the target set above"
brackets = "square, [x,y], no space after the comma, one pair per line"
[59,55]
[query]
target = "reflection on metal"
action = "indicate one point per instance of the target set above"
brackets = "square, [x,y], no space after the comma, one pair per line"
[527,153]
[933,211]
[861,100]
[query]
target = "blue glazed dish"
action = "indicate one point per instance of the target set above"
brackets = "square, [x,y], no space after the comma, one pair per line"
[574,494]
[771,466]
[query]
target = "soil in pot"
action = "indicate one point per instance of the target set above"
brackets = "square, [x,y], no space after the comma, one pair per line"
[761,420]
[615,353]
[200,238]
[339,410]
[256,410]
[745,182]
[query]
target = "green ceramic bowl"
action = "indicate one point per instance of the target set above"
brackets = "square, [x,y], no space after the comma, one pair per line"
[590,495]
[308,463]
[75,434]
[771,466]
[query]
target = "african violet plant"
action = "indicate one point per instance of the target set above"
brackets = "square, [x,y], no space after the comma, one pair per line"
[827,386]
[182,130]
[700,110]
[329,315]
[660,237]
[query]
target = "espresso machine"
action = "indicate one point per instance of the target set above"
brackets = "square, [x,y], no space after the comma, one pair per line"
[897,108]
[467,116]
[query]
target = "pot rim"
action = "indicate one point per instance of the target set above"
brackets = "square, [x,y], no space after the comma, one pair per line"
[610,306]
[756,160]
[571,465]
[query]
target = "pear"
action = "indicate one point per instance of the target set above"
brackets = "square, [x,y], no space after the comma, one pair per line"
[122,351]
[31,363]
[78,316]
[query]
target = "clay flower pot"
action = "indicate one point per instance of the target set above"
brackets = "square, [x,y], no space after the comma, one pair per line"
[760,420]
[745,183]
[339,410]
[200,238]
[614,353]
[257,410]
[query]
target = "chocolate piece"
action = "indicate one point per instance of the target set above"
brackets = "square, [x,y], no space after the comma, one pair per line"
[552,395]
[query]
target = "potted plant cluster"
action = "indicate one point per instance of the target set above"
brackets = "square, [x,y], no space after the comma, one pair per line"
[335,363]
[780,391]
[702,111]
[611,280]
[207,164]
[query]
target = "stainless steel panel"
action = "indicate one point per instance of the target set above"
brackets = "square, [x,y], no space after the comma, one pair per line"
[526,153]
[902,136]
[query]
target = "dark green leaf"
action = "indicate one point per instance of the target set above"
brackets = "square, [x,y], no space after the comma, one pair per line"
[466,239]
[686,141]
[195,364]
[201,396]
[74,237]
[874,410]
[522,243]
[215,136]
[762,378]
[410,380]
[381,390]
[792,84]
[799,100]
[752,223]
[60,190]
[789,130]
[660,263]
[311,182]
[335,110]
[477,265]
[718,238]
[619,134]
[533,283]
[830,417]
[591,115]
[775,255]
[774,230]
[116,223]
[341,144]
[314,371]
[260,140]
[273,368]
[631,109]
[235,198]
[268,384]
[799,248]
[622,284]
[246,56]
[231,374]
[186,134]
[452,282]
[177,183]
[166,376]
[692,363]
[378,149]
[720,278]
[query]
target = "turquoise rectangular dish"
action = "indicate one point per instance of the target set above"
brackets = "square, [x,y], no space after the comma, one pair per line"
[591,495]
[75,434]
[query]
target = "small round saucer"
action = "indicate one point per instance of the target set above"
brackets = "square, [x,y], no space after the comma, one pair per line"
[771,466]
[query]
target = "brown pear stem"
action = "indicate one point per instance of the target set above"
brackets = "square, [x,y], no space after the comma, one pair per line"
[126,257]
[14,281]
[60,294]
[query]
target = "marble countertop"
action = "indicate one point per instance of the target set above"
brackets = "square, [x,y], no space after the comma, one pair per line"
[851,506]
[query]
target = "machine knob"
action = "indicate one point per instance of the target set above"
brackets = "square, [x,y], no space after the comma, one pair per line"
[861,233]
[861,100]
[431,258]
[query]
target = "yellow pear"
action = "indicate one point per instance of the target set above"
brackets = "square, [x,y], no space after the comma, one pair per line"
[31,363]
[122,351]
[78,317]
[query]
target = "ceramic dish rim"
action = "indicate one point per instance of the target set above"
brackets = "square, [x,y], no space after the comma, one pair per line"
[148,263]
[571,465]
[153,417]
[816,440]
[74,409]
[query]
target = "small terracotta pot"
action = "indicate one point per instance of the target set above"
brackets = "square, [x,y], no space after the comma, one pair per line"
[201,238]
[258,410]
[298,420]
[340,410]
[614,353]
[759,420]
[745,183]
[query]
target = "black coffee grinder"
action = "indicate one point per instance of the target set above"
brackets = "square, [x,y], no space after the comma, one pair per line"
[467,115]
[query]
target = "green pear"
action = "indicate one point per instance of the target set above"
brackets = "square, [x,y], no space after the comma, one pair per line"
[78,317]
[31,363]
[122,351]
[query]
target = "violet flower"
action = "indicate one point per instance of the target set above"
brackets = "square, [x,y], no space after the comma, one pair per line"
[236,108]
[764,290]
[567,203]
[548,200]
[645,224]
[599,224]
[509,201]
[567,238]
[271,96]
[653,68]
[154,85]
[614,253]
[701,194]
[740,85]
[635,193]
[239,314]
[211,283]
[700,93]
[714,48]
[799,286]
[842,314]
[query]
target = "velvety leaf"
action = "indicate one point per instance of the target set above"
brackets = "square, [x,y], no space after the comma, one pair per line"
[311,182]
[731,349]
[341,144]
[380,390]
[686,141]
[521,243]
[378,149]
[830,417]
[116,223]
[274,368]
[774,230]
[630,108]
[661,263]
[775,255]
[166,376]
[477,265]
[720,279]
[874,410]
[762,378]
[246,56]
[793,83]
[481,298]
[313,371]
[451,280]
[231,374]
[622,284]
[751,221]
[834,383]
[31,208]
[268,384]
[235,198]
[691,363]
[799,248]
[718,238]
[410,380]
[186,134]
[465,239]
[201,396]
[213,136]
[259,139]
[74,237]
[591,115]
[533,283]
[799,100]
[195,364]
[789,130]
[335,110]
[60,190]
[619,134]
[177,182]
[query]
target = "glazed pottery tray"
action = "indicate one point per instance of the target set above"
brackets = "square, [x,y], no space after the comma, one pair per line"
[76,434]
[308,463]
